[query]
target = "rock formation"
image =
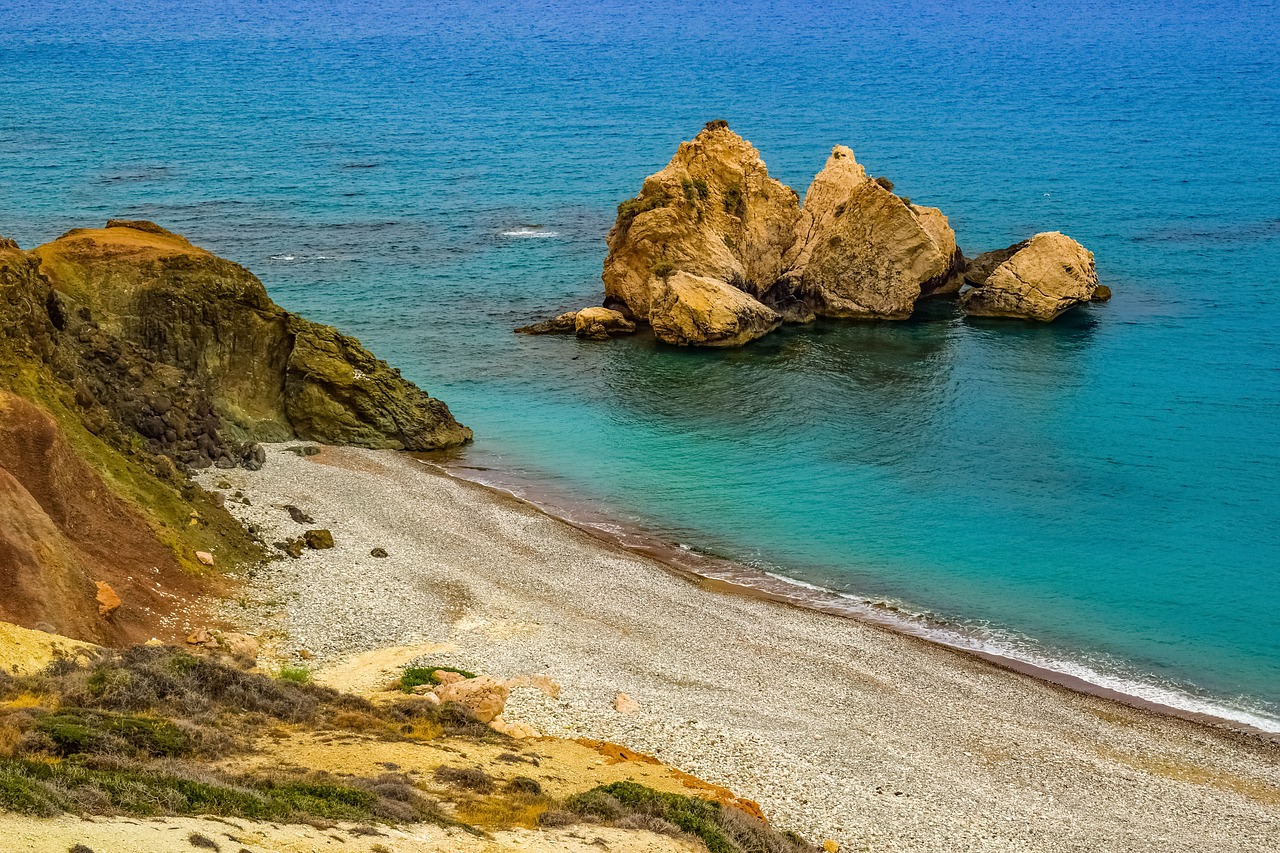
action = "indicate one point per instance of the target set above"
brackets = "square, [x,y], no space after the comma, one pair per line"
[861,251]
[128,355]
[714,214]
[714,252]
[594,324]
[269,375]
[1036,279]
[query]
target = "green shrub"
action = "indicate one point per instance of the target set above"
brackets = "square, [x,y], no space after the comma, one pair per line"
[885,182]
[694,190]
[631,208]
[77,730]
[415,676]
[294,674]
[722,829]
[663,268]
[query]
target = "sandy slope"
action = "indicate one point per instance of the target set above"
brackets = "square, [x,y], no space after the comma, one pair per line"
[837,728]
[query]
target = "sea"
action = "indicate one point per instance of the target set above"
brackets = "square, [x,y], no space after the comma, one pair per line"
[1100,496]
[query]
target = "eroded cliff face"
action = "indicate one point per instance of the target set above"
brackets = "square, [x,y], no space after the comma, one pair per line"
[854,249]
[270,375]
[126,356]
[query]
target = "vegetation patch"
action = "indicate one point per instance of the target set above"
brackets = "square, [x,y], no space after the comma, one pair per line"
[631,208]
[416,676]
[723,829]
[735,201]
[663,268]
[126,734]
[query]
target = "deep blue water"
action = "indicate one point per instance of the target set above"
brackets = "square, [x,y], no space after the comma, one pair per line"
[1104,490]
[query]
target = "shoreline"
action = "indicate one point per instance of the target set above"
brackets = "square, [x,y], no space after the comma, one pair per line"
[837,728]
[731,577]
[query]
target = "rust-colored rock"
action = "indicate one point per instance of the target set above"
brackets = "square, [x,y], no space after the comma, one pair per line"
[483,696]
[108,601]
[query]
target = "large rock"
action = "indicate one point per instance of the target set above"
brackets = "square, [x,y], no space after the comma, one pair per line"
[861,251]
[1035,280]
[713,212]
[269,375]
[483,696]
[691,309]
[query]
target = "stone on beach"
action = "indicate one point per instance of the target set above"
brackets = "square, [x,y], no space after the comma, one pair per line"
[318,540]
[625,704]
[205,558]
[483,696]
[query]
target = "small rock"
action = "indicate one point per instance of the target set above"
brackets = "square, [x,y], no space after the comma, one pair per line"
[204,557]
[831,846]
[318,540]
[378,552]
[292,547]
[519,731]
[298,516]
[200,637]
[108,601]
[239,645]
[304,450]
[154,642]
[226,484]
[624,704]
[218,499]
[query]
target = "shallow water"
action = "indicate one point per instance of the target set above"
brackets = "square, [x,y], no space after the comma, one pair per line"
[1103,492]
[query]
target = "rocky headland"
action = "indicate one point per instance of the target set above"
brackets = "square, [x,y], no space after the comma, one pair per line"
[715,252]
[128,358]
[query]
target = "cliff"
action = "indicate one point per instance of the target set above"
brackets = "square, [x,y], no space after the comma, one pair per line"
[128,356]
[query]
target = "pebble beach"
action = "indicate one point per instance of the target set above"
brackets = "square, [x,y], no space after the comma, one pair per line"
[839,729]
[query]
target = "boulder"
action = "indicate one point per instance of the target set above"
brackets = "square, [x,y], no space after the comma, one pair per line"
[318,540]
[713,212]
[513,729]
[1037,280]
[860,251]
[625,704]
[690,309]
[483,696]
[205,558]
[600,324]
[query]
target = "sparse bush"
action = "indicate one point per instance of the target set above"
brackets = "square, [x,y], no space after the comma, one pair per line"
[525,785]
[294,674]
[735,201]
[694,189]
[631,208]
[471,778]
[885,182]
[723,829]
[663,268]
[716,124]
[195,839]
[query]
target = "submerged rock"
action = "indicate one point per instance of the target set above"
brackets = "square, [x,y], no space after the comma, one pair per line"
[1037,279]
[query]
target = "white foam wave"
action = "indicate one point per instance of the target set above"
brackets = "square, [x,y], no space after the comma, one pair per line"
[530,233]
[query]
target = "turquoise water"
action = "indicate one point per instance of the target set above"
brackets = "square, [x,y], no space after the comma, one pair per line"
[1102,493]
